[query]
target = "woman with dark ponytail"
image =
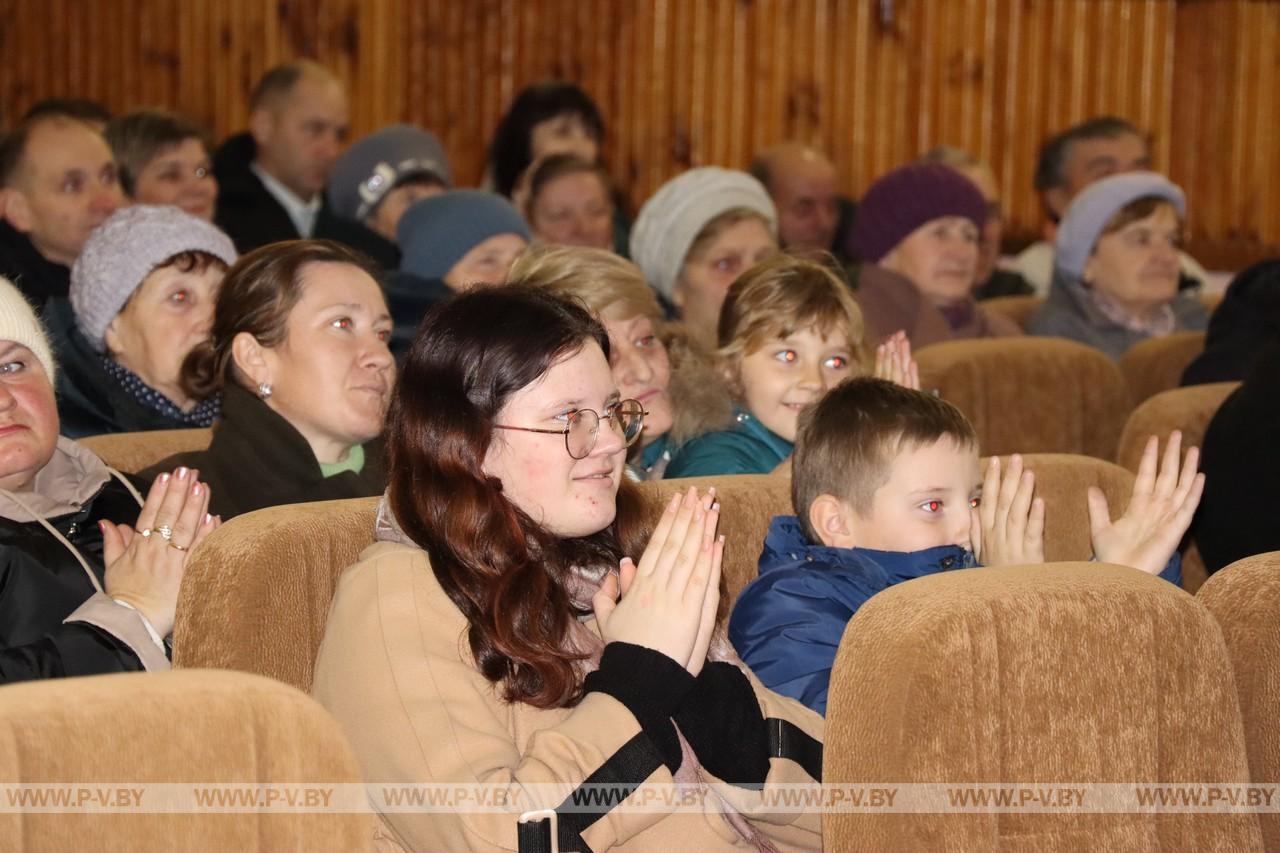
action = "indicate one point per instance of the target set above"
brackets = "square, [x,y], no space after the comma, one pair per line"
[500,639]
[298,351]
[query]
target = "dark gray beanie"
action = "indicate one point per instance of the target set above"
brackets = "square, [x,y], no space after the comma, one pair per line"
[435,233]
[372,167]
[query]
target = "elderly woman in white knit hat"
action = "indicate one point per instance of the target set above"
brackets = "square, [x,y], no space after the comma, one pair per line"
[80,592]
[142,291]
[697,234]
[1116,266]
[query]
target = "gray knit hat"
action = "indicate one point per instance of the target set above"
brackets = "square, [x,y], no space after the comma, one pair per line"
[1090,211]
[671,219]
[123,251]
[18,323]
[436,232]
[372,167]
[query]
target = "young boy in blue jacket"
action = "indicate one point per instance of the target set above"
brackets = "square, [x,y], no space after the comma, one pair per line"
[887,487]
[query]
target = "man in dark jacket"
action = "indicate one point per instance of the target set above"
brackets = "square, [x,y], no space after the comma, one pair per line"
[271,178]
[63,612]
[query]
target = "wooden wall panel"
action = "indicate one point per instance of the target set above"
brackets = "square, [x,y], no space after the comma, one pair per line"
[689,82]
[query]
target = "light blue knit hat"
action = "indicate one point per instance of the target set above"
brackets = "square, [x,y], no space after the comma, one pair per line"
[436,232]
[1092,209]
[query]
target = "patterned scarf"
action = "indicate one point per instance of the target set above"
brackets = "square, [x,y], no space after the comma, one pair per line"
[202,415]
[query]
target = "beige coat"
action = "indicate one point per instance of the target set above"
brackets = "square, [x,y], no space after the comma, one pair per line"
[395,669]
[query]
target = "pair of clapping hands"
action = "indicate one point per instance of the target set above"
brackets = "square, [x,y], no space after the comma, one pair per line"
[144,565]
[1007,528]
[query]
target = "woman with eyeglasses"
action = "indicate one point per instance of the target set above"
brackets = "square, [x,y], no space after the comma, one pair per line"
[517,628]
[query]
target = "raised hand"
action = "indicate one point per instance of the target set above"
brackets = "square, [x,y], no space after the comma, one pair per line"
[894,362]
[1158,514]
[1007,528]
[144,568]
[667,596]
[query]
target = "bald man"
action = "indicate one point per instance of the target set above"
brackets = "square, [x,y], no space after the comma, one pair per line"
[272,177]
[805,190]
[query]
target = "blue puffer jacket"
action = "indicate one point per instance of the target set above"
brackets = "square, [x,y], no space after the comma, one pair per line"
[787,624]
[748,448]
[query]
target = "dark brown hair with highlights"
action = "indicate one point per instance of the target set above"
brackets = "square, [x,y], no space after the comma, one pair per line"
[507,574]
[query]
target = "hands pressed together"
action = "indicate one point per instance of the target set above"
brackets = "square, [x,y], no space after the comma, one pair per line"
[668,601]
[894,362]
[1008,527]
[144,566]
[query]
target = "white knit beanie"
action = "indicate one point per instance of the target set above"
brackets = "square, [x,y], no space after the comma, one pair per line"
[1091,210]
[671,220]
[18,323]
[122,252]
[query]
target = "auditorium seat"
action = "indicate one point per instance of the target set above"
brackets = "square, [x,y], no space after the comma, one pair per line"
[1035,675]
[134,451]
[135,729]
[1188,409]
[1244,598]
[1031,395]
[1017,308]
[1157,364]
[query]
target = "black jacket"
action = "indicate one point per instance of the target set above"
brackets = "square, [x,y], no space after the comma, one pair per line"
[91,401]
[1240,327]
[1240,459]
[257,459]
[41,584]
[409,297]
[38,278]
[252,217]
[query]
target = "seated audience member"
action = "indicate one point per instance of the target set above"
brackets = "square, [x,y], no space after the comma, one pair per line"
[59,183]
[459,648]
[1068,163]
[271,178]
[789,330]
[86,110]
[450,242]
[1242,324]
[652,361]
[1241,462]
[79,594]
[989,280]
[806,192]
[568,201]
[917,234]
[299,353]
[164,159]
[377,178]
[887,487]
[1116,276]
[698,233]
[142,292]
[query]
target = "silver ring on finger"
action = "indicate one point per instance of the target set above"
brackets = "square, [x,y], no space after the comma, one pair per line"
[165,531]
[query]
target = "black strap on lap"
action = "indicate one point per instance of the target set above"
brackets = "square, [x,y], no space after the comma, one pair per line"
[787,740]
[610,784]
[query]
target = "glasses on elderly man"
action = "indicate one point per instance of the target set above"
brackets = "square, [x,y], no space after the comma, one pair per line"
[627,417]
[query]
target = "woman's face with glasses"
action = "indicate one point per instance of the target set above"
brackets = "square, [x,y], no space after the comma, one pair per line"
[569,497]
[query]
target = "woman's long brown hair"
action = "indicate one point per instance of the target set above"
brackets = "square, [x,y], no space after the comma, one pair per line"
[505,573]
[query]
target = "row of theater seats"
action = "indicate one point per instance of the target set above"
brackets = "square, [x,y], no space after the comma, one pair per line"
[1072,672]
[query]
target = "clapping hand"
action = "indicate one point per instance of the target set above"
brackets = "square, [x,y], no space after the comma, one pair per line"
[894,362]
[1007,528]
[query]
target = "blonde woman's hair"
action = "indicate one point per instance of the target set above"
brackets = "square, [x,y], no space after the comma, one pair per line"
[782,295]
[610,286]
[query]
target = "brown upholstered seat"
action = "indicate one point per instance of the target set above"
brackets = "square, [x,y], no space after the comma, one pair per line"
[133,451]
[1031,395]
[1069,672]
[1244,598]
[1157,364]
[1188,409]
[175,727]
[1017,308]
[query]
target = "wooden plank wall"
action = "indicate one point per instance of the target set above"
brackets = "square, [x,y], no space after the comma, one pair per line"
[686,82]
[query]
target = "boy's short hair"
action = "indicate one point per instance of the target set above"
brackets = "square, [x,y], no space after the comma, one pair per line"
[784,294]
[847,441]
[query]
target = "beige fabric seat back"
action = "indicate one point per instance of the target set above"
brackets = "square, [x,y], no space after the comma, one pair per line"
[134,451]
[1017,308]
[1188,409]
[1157,364]
[174,727]
[1061,673]
[1244,598]
[1031,395]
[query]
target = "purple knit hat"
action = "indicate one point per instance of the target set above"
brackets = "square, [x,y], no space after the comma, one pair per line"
[906,198]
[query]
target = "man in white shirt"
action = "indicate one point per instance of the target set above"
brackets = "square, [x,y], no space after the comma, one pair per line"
[1068,163]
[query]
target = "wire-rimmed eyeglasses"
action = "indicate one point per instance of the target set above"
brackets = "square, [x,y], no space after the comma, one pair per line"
[583,429]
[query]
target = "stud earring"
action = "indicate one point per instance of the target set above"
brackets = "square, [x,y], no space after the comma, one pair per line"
[264,390]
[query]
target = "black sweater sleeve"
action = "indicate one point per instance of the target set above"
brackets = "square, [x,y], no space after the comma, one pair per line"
[651,685]
[74,648]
